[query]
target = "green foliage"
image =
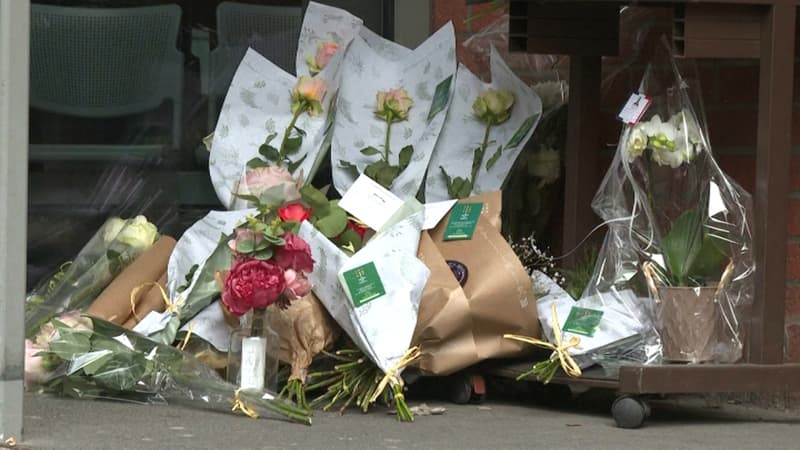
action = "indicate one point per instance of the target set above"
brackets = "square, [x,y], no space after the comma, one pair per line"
[457,187]
[691,255]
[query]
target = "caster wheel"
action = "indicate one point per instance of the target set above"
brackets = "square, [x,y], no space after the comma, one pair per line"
[465,388]
[630,412]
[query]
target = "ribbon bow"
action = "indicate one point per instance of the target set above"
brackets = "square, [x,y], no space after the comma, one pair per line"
[392,374]
[170,306]
[240,405]
[569,365]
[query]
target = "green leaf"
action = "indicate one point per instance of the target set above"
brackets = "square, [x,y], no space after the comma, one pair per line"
[382,172]
[269,152]
[91,362]
[370,151]
[70,342]
[293,145]
[270,138]
[263,254]
[247,198]
[404,159]
[292,166]
[522,131]
[255,163]
[300,131]
[711,258]
[350,237]
[457,187]
[246,246]
[315,199]
[333,223]
[682,245]
[274,196]
[122,372]
[350,168]
[493,160]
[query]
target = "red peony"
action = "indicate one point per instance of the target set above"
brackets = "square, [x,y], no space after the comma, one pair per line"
[293,213]
[295,254]
[252,284]
[360,229]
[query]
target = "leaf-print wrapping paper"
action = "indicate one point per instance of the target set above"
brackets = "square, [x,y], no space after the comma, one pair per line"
[374,64]
[323,23]
[463,132]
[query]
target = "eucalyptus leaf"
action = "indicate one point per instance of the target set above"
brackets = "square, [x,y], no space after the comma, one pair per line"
[263,255]
[246,246]
[350,237]
[334,223]
[315,199]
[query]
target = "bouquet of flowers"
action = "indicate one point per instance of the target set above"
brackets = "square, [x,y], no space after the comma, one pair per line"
[112,248]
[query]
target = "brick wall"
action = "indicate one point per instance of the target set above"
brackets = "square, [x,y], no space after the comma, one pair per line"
[730,95]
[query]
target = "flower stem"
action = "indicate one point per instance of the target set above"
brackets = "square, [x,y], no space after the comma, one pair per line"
[476,163]
[282,149]
[388,134]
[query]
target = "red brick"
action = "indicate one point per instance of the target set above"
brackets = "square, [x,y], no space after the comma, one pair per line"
[738,84]
[741,168]
[477,63]
[793,218]
[735,128]
[446,10]
[793,343]
[489,15]
[793,261]
[792,302]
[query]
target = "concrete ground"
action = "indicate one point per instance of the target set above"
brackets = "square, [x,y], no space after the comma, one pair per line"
[581,422]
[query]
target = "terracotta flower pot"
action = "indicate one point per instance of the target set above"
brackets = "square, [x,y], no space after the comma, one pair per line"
[689,323]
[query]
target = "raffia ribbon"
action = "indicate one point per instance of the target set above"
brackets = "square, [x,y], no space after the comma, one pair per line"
[240,405]
[10,442]
[392,374]
[569,365]
[186,338]
[170,306]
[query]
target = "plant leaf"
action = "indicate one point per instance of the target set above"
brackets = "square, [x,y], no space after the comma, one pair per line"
[682,245]
[292,166]
[270,138]
[256,163]
[269,152]
[404,159]
[315,199]
[300,131]
[351,238]
[293,145]
[370,151]
[493,160]
[350,168]
[333,223]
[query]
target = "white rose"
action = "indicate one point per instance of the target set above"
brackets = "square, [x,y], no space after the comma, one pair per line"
[138,233]
[112,228]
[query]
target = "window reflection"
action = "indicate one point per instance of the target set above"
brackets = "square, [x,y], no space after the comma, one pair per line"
[122,94]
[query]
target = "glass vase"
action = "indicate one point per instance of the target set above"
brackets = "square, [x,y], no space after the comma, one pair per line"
[253,353]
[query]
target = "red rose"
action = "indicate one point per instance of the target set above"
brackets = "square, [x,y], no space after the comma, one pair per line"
[252,284]
[295,254]
[293,213]
[360,229]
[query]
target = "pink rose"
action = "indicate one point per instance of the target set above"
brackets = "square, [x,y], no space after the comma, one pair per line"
[244,235]
[394,103]
[257,181]
[295,254]
[253,284]
[297,285]
[308,94]
[325,53]
[34,364]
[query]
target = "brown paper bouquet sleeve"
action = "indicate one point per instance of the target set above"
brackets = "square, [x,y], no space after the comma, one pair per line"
[114,303]
[151,299]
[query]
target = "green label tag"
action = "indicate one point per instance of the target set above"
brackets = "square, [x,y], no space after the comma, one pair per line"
[364,284]
[440,97]
[522,131]
[582,321]
[463,220]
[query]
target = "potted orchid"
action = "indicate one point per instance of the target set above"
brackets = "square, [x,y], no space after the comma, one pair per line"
[687,247]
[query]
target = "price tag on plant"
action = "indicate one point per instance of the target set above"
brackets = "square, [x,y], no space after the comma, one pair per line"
[582,321]
[463,220]
[363,284]
[634,109]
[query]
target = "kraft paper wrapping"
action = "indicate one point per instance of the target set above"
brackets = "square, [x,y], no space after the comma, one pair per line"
[305,329]
[152,300]
[444,324]
[114,303]
[498,289]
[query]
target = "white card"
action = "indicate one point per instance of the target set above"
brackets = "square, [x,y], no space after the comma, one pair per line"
[634,109]
[370,202]
[254,355]
[153,322]
[434,212]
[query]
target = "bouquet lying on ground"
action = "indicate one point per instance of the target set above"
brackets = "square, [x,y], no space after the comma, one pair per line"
[112,248]
[85,357]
